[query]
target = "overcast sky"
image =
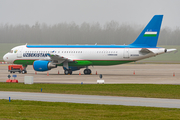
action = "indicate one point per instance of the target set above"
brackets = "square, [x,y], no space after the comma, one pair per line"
[90,11]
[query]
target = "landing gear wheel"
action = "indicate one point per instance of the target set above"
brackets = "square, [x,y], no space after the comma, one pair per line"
[87,71]
[68,71]
[24,71]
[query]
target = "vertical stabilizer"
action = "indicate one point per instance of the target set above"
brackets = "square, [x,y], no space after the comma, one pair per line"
[149,36]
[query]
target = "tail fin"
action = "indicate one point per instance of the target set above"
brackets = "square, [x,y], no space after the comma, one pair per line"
[149,36]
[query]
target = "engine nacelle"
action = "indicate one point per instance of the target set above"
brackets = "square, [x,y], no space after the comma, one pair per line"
[73,68]
[40,65]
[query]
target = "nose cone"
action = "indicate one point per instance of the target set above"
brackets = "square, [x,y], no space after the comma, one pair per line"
[4,58]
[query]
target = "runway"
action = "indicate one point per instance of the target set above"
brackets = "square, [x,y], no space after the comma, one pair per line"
[119,74]
[92,99]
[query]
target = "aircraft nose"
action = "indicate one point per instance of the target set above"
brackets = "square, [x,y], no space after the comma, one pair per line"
[5,58]
[8,58]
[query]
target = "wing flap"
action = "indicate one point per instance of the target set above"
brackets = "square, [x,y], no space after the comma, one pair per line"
[57,59]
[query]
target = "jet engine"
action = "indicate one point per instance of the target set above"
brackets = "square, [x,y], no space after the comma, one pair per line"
[40,65]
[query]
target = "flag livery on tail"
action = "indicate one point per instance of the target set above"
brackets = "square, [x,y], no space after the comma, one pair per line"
[149,36]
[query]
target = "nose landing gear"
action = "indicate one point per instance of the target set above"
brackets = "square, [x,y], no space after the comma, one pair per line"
[24,71]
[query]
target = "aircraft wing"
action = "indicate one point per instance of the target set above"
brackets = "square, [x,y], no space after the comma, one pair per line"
[57,59]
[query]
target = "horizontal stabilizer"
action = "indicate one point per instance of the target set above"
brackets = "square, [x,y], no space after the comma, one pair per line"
[171,50]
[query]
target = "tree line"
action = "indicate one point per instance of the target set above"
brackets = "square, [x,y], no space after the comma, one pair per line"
[86,33]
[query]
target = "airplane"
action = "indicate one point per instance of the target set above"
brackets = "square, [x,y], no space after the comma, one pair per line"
[75,57]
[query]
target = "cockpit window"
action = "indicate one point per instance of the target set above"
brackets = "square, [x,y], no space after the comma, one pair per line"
[11,51]
[15,51]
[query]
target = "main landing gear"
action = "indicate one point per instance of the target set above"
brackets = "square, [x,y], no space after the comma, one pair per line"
[68,71]
[87,71]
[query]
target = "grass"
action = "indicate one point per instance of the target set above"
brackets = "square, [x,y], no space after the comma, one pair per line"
[26,110]
[36,110]
[130,90]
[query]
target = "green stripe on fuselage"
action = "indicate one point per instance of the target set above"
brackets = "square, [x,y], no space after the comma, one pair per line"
[98,62]
[79,62]
[24,62]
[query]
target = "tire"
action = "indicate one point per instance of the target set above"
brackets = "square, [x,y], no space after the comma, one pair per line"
[23,71]
[85,71]
[70,71]
[66,72]
[89,71]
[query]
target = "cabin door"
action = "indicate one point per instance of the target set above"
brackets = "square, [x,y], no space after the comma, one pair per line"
[19,52]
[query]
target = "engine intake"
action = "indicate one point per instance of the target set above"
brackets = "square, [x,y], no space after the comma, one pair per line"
[41,65]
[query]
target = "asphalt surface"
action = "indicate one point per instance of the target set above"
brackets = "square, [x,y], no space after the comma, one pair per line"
[92,99]
[119,74]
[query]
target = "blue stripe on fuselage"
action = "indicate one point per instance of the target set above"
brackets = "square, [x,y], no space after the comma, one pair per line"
[87,46]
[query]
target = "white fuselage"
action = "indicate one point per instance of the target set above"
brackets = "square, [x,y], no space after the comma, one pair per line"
[118,54]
